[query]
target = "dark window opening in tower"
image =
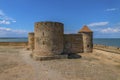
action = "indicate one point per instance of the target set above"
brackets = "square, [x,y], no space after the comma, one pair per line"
[43,42]
[88,46]
[52,49]
[43,33]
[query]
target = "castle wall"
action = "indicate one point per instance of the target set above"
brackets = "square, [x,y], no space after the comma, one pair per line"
[23,44]
[31,41]
[107,48]
[87,41]
[48,39]
[73,43]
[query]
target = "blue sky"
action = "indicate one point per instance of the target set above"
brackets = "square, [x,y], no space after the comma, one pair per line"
[17,17]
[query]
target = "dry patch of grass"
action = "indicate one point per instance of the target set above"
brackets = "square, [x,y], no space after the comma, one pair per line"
[94,66]
[7,65]
[118,66]
[91,59]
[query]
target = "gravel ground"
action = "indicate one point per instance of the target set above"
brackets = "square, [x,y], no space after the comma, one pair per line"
[16,64]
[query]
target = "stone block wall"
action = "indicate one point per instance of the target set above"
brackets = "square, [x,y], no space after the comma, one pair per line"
[73,43]
[31,41]
[87,42]
[48,38]
[23,44]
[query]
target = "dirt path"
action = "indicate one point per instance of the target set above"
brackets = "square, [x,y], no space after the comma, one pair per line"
[16,64]
[64,69]
[41,72]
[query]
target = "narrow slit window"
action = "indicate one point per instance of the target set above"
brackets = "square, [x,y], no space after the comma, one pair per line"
[59,31]
[88,46]
[43,33]
[43,42]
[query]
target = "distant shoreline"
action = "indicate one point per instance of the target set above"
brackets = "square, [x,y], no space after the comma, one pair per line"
[115,42]
[13,37]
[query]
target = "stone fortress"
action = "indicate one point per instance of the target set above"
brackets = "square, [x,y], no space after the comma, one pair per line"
[49,41]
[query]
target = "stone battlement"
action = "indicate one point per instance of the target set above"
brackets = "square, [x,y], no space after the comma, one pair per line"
[49,23]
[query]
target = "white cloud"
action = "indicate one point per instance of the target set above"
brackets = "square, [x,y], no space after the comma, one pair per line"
[4,29]
[98,24]
[13,21]
[18,31]
[4,22]
[1,13]
[14,31]
[5,19]
[110,30]
[112,9]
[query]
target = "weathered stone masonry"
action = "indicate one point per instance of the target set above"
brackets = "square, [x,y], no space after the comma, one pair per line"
[50,40]
[73,43]
[31,40]
[87,36]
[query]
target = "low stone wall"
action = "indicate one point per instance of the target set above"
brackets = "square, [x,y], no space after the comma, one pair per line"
[107,48]
[24,44]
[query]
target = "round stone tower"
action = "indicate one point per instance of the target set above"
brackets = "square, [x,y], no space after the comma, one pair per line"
[48,39]
[31,40]
[87,39]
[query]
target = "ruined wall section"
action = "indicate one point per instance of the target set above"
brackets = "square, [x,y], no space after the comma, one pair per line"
[107,48]
[48,39]
[23,44]
[73,43]
[31,40]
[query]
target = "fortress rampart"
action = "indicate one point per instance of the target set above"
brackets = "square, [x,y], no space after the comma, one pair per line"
[107,48]
[50,40]
[73,43]
[31,40]
[22,44]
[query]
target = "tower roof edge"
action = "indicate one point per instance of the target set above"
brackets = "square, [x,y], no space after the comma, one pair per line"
[85,29]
